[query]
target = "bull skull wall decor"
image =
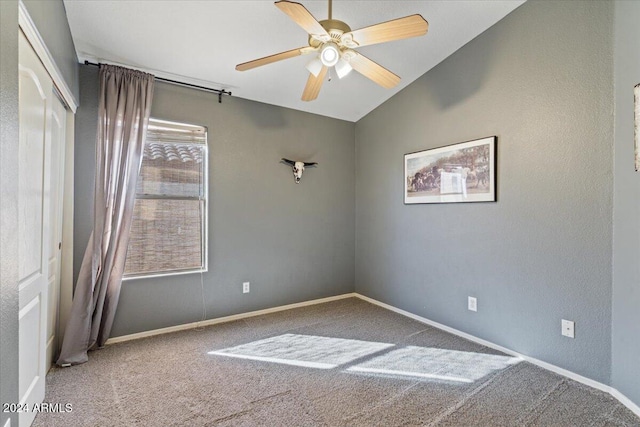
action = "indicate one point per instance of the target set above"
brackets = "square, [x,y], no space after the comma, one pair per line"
[298,168]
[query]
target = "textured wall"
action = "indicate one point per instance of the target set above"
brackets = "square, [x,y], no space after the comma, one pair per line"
[293,242]
[8,206]
[86,122]
[625,373]
[50,18]
[541,80]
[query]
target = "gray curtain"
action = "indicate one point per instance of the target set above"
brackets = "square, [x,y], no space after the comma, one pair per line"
[123,116]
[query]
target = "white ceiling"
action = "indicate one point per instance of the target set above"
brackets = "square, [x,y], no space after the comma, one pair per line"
[201,42]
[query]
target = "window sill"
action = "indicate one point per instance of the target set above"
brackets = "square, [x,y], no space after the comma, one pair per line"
[167,274]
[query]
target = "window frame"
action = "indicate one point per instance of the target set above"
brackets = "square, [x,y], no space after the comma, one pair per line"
[204,201]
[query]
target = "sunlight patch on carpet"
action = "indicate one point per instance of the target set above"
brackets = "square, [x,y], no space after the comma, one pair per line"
[371,358]
[304,350]
[435,363]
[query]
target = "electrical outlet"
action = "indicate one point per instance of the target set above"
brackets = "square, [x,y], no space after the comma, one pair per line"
[568,328]
[245,287]
[472,304]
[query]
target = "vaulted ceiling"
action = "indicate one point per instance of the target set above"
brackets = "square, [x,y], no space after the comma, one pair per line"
[201,42]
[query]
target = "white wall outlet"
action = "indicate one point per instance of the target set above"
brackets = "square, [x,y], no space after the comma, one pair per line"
[245,287]
[568,328]
[472,304]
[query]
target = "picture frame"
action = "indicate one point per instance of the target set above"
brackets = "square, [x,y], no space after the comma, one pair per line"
[459,173]
[636,125]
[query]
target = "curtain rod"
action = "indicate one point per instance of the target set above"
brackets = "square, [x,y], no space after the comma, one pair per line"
[220,92]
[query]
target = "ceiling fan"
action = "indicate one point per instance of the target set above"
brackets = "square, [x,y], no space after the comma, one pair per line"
[335,42]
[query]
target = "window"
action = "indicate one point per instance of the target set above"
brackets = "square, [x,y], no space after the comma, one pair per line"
[169,228]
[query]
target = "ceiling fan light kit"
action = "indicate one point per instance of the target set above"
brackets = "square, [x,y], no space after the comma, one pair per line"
[330,54]
[343,68]
[335,41]
[314,66]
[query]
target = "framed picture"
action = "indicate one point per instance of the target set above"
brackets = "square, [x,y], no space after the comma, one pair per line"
[464,172]
[636,124]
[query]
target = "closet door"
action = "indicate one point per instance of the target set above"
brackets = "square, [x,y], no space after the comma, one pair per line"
[56,183]
[33,225]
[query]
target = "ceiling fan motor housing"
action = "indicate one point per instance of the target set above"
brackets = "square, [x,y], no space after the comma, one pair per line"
[334,27]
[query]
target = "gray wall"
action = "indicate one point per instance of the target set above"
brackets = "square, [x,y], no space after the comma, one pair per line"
[51,22]
[542,81]
[8,206]
[293,242]
[50,17]
[625,373]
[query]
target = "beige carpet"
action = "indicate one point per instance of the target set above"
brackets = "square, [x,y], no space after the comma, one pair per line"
[344,363]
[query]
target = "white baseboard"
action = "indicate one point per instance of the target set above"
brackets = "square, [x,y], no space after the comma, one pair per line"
[225,319]
[625,401]
[548,366]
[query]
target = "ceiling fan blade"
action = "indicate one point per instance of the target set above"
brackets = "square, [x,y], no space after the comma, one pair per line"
[312,89]
[374,71]
[398,29]
[275,58]
[302,17]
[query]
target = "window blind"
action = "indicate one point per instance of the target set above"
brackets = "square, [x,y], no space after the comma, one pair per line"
[168,232]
